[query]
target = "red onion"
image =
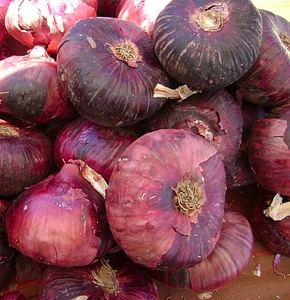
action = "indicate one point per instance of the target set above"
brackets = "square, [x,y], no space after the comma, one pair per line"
[225,264]
[13,296]
[269,155]
[268,81]
[61,220]
[29,88]
[141,12]
[165,200]
[107,67]
[100,147]
[112,277]
[274,234]
[3,10]
[43,22]
[207,44]
[26,157]
[12,47]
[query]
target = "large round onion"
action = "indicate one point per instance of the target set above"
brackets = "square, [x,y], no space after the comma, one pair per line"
[29,88]
[268,82]
[112,277]
[108,69]
[225,264]
[100,147]
[60,220]
[269,155]
[165,200]
[26,157]
[43,22]
[207,44]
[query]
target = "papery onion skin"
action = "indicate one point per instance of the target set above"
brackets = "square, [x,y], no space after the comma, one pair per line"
[132,282]
[26,157]
[269,155]
[60,220]
[29,88]
[44,22]
[275,235]
[144,219]
[225,264]
[3,10]
[103,88]
[206,44]
[268,82]
[100,147]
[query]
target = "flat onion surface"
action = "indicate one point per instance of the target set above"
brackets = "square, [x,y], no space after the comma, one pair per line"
[153,227]
[105,86]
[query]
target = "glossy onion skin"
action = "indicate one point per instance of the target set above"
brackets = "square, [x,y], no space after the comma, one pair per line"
[60,220]
[133,282]
[275,235]
[207,59]
[269,155]
[268,82]
[225,264]
[26,158]
[102,88]
[140,205]
[100,147]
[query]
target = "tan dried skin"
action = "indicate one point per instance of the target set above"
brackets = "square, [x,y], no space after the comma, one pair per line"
[285,40]
[6,131]
[106,278]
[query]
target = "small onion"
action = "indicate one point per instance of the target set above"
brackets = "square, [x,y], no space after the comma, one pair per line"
[29,88]
[165,199]
[43,22]
[225,264]
[112,277]
[100,147]
[61,220]
[108,69]
[26,157]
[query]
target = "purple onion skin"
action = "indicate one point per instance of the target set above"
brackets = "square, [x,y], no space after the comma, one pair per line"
[225,264]
[269,155]
[13,296]
[100,147]
[133,282]
[26,157]
[275,235]
[140,199]
[268,82]
[109,91]
[61,220]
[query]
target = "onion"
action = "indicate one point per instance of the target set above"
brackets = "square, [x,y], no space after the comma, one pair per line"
[61,220]
[165,200]
[100,147]
[12,47]
[225,264]
[141,12]
[26,157]
[108,69]
[112,277]
[207,45]
[3,10]
[13,296]
[267,82]
[274,234]
[269,155]
[43,22]
[29,88]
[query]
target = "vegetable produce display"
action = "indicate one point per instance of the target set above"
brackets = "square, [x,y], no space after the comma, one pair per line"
[125,129]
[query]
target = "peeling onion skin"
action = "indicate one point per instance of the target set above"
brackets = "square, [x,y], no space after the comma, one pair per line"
[145,221]
[26,157]
[132,280]
[100,147]
[269,155]
[103,88]
[275,235]
[268,82]
[29,86]
[43,22]
[60,220]
[224,265]
[206,44]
